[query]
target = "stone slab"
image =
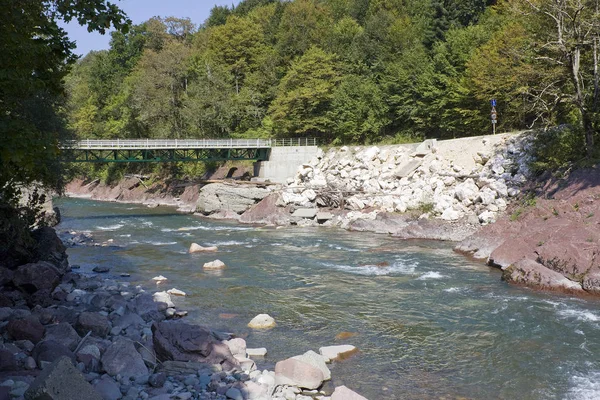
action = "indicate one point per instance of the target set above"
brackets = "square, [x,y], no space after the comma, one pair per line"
[61,381]
[305,213]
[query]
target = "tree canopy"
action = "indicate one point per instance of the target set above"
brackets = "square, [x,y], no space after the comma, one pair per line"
[346,71]
[36,55]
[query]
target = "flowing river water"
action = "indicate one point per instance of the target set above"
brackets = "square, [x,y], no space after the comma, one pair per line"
[430,324]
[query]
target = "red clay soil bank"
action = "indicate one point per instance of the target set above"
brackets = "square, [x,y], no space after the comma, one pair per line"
[550,242]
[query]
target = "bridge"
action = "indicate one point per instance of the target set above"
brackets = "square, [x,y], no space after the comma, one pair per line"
[152,150]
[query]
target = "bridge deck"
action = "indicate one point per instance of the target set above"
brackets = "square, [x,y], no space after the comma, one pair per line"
[153,150]
[150,144]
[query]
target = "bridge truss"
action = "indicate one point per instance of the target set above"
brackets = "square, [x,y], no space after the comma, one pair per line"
[111,151]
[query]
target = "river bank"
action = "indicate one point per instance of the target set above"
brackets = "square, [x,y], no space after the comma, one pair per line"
[99,337]
[428,322]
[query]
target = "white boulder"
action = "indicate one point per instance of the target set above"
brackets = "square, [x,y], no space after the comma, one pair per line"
[214,265]
[262,321]
[333,352]
[196,248]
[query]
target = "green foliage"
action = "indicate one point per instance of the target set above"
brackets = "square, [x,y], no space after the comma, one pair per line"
[557,148]
[304,96]
[347,71]
[36,58]
[358,111]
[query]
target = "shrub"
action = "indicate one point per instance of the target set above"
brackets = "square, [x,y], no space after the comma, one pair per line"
[557,148]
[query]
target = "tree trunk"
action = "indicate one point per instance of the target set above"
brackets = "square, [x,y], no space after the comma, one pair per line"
[575,58]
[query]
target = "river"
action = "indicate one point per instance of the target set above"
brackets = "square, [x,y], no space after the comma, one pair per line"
[429,323]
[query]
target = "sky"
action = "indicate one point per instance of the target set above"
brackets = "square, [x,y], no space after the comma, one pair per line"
[142,10]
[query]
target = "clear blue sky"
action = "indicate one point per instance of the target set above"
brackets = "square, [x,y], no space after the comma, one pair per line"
[140,11]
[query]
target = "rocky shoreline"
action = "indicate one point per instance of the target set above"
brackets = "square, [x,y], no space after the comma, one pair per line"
[69,336]
[477,192]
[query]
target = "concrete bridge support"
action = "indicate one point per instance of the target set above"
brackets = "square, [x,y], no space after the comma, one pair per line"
[284,162]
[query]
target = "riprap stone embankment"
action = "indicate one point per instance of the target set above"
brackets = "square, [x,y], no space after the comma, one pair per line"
[436,189]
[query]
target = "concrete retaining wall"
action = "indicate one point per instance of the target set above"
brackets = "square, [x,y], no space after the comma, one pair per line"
[284,162]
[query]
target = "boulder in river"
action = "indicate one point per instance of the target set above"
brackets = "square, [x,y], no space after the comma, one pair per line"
[335,352]
[196,248]
[159,279]
[262,321]
[214,265]
[176,292]
[163,299]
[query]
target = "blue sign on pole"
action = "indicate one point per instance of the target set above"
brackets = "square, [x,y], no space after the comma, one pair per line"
[493,102]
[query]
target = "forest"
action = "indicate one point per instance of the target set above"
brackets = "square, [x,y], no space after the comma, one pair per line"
[345,71]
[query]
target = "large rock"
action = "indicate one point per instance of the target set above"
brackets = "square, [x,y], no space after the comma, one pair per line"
[316,360]
[50,248]
[178,341]
[146,308]
[64,334]
[532,273]
[122,358]
[267,212]
[343,393]
[61,381]
[36,276]
[467,192]
[95,322]
[335,352]
[6,276]
[8,361]
[237,346]
[163,299]
[196,248]
[407,168]
[238,198]
[108,388]
[28,328]
[262,321]
[305,213]
[214,265]
[295,372]
[49,351]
